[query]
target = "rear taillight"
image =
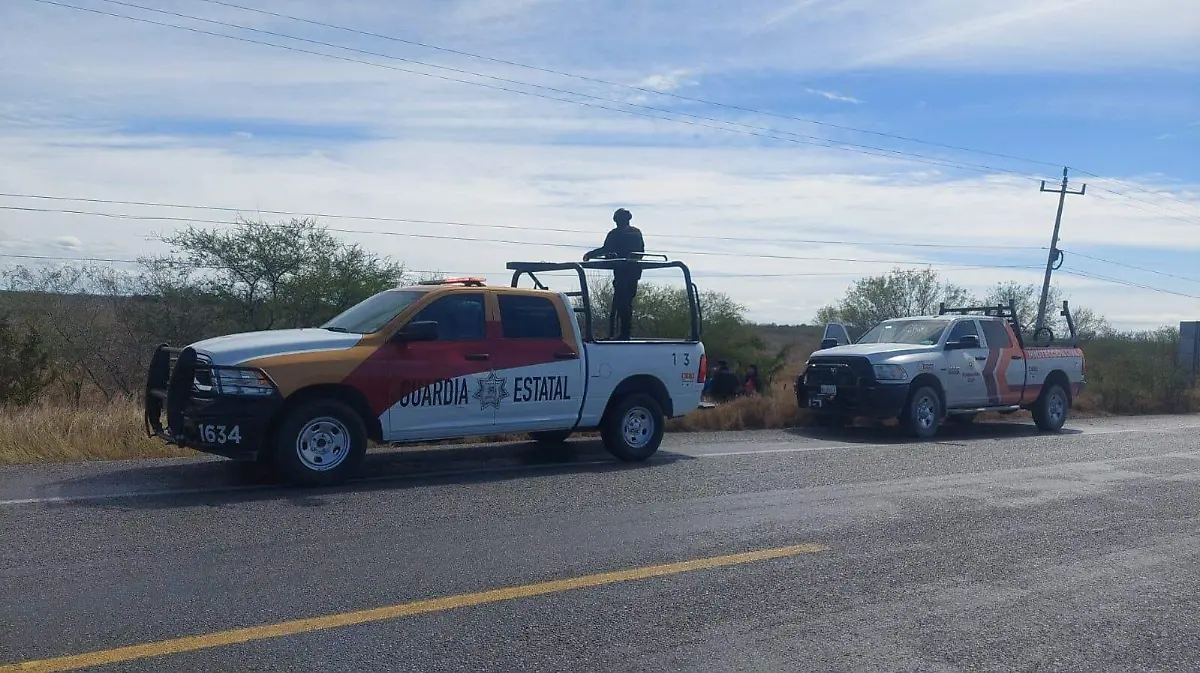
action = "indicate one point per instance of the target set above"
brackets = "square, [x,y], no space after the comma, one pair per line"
[703,375]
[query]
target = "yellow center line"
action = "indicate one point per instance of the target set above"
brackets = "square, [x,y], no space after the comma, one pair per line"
[252,633]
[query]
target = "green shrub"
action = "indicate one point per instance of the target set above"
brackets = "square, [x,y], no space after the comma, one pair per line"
[1138,373]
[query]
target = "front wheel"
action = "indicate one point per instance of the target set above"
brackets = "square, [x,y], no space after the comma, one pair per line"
[320,443]
[634,427]
[1050,410]
[923,414]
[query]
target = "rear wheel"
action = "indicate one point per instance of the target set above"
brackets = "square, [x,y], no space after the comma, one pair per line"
[923,414]
[550,437]
[319,444]
[634,427]
[1050,410]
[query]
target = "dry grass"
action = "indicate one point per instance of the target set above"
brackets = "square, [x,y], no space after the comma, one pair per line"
[53,434]
[747,413]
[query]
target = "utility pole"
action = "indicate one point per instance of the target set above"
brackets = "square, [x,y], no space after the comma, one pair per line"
[1055,254]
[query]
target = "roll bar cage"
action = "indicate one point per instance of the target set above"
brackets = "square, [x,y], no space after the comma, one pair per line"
[1009,312]
[642,262]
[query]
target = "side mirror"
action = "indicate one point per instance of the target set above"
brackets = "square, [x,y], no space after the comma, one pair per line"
[968,341]
[424,330]
[828,343]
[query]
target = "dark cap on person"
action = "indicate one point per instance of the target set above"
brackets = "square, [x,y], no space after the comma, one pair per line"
[622,215]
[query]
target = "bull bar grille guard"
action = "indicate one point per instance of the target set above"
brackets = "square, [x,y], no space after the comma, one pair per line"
[172,382]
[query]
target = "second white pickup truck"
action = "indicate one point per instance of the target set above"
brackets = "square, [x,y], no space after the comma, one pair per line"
[954,365]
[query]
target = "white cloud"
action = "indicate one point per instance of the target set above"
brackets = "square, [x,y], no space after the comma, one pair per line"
[67,242]
[834,96]
[668,81]
[717,192]
[111,109]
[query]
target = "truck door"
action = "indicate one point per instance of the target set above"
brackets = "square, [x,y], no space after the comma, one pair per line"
[439,387]
[540,357]
[965,386]
[1005,367]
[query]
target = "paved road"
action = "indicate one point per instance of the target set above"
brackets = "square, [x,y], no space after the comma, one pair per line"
[992,549]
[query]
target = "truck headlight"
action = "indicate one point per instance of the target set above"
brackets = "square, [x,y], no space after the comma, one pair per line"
[890,373]
[242,382]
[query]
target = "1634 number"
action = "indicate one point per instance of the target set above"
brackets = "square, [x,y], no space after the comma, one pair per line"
[221,434]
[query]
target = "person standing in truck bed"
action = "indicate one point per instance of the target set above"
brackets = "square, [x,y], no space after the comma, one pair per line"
[623,242]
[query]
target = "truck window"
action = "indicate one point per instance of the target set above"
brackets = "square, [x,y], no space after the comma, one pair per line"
[922,332]
[460,316]
[371,314]
[962,329]
[526,317]
[997,335]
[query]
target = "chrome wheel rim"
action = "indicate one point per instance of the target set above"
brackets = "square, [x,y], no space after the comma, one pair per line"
[323,444]
[638,427]
[1056,408]
[925,412]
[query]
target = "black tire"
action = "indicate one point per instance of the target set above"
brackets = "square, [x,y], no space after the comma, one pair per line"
[550,437]
[1050,409]
[633,429]
[322,431]
[922,414]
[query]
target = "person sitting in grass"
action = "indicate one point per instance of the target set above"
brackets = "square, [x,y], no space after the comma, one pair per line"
[725,383]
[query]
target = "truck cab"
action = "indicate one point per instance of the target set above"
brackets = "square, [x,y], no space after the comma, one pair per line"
[923,370]
[437,360]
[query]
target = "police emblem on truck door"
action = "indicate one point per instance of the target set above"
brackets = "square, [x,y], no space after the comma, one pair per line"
[492,390]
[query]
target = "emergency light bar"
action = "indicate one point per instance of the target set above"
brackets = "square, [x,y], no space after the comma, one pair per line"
[472,281]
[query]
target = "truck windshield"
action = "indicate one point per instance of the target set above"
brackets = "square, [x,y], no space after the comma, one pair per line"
[916,332]
[371,314]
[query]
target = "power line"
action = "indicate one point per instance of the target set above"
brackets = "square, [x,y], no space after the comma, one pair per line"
[738,239]
[1119,281]
[1136,207]
[632,87]
[769,134]
[1127,185]
[472,239]
[1082,274]
[1130,266]
[173,263]
[1179,215]
[746,129]
[185,264]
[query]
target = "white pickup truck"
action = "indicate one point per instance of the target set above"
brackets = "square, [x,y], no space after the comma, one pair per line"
[439,360]
[953,366]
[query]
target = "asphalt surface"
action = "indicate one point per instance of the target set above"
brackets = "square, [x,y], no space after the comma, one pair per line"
[993,548]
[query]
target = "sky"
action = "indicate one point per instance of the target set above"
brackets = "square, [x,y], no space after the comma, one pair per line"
[852,136]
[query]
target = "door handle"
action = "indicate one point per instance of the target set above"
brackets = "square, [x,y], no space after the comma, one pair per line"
[477,356]
[981,358]
[1016,357]
[567,355]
